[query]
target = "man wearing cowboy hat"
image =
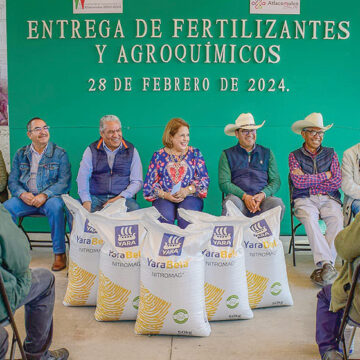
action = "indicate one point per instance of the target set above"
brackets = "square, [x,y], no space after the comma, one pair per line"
[316,178]
[248,172]
[350,170]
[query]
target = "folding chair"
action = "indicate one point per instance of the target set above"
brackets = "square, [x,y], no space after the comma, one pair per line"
[39,243]
[293,245]
[10,319]
[346,319]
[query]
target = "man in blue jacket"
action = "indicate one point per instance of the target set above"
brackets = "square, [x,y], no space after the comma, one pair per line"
[248,173]
[40,173]
[110,169]
[35,289]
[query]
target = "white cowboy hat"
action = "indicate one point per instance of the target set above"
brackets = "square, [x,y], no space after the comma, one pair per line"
[244,121]
[312,120]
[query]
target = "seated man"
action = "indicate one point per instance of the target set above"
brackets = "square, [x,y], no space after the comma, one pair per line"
[40,173]
[35,289]
[350,171]
[316,179]
[248,172]
[332,299]
[110,169]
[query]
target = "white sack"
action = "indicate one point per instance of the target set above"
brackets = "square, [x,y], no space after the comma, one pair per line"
[264,259]
[226,292]
[119,267]
[84,253]
[172,281]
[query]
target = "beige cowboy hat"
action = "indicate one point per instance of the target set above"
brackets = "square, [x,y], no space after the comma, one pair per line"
[312,120]
[244,121]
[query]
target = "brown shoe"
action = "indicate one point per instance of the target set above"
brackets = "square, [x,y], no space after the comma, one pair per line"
[59,262]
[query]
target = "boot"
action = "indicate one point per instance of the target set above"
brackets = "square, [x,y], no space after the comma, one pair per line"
[59,262]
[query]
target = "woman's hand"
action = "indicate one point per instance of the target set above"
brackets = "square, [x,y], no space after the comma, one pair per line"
[173,198]
[182,193]
[167,196]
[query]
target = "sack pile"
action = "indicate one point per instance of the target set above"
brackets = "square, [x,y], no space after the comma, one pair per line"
[171,280]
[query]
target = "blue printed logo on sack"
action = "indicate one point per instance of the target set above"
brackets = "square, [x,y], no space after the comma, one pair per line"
[261,229]
[88,228]
[171,245]
[223,236]
[127,236]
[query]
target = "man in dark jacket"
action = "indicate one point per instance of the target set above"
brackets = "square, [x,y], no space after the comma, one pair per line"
[248,173]
[35,289]
[110,169]
[316,178]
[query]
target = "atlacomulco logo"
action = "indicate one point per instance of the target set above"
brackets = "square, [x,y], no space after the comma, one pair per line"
[259,4]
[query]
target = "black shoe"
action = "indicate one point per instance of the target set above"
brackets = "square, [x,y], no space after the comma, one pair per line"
[59,354]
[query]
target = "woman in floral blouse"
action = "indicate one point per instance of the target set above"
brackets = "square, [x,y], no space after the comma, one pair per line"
[177,176]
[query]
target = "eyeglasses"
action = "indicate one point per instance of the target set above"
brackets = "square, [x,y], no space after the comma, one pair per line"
[313,133]
[247,132]
[38,129]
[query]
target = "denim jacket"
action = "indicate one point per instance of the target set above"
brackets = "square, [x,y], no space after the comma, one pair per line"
[53,176]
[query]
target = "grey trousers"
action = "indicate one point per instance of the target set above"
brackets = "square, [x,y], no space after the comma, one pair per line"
[268,203]
[308,211]
[39,306]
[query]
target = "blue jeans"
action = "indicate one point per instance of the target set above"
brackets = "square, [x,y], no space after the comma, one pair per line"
[39,306]
[268,203]
[355,207]
[98,201]
[53,209]
[169,212]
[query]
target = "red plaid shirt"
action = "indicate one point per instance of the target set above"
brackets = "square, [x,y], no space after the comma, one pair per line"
[316,183]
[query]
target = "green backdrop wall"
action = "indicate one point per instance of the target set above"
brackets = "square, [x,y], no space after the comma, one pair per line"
[49,75]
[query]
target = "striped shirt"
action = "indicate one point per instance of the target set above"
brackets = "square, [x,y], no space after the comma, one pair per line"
[35,159]
[316,183]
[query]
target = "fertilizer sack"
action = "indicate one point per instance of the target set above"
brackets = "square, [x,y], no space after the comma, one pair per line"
[84,253]
[119,267]
[264,259]
[226,292]
[172,298]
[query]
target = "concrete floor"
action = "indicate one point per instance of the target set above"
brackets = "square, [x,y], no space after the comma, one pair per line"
[273,333]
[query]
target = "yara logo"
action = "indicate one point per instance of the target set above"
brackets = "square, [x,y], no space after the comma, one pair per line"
[223,236]
[127,236]
[88,228]
[171,245]
[261,229]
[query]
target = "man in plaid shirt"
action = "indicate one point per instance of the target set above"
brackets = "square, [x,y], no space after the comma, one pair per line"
[316,178]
